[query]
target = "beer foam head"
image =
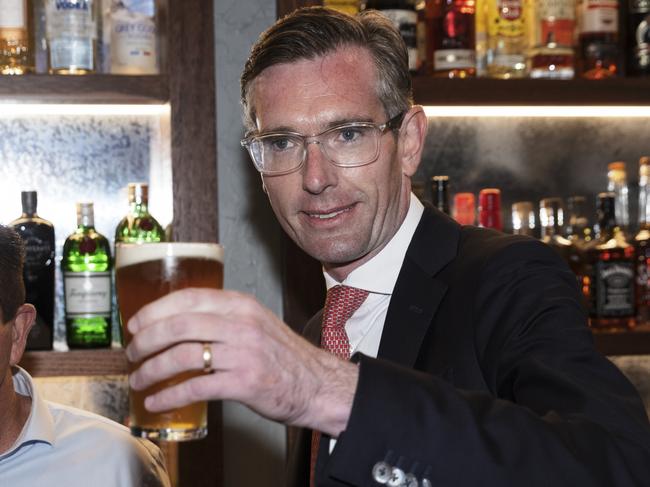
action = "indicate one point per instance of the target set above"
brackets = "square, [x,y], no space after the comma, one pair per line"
[130,254]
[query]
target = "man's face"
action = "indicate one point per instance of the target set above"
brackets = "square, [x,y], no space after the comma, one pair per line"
[340,216]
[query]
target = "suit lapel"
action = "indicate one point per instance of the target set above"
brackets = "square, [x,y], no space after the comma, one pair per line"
[418,291]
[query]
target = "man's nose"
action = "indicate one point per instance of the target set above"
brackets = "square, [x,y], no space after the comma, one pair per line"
[318,172]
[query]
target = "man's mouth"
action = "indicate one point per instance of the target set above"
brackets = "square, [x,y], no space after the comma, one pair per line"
[328,215]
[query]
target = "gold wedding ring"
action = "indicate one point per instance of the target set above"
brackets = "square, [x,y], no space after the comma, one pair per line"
[207,357]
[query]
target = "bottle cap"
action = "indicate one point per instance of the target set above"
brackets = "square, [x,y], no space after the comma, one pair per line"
[85,214]
[29,201]
[138,192]
[644,161]
[644,166]
[464,208]
[616,166]
[489,199]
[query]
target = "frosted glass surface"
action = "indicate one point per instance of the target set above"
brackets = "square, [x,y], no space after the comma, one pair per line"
[83,158]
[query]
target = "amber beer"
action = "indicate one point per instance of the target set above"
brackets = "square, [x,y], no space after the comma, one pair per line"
[144,273]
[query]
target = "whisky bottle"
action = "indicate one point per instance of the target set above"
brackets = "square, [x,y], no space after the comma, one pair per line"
[86,267]
[642,245]
[489,209]
[617,184]
[454,52]
[403,15]
[579,233]
[130,32]
[523,218]
[38,271]
[611,261]
[507,41]
[551,218]
[464,212]
[440,193]
[16,37]
[71,32]
[138,226]
[597,38]
[424,34]
[551,33]
[637,43]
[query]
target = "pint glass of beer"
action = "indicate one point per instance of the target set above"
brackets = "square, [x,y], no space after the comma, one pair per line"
[144,273]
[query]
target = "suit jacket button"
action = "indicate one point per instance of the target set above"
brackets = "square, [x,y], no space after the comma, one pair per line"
[381,472]
[397,478]
[410,481]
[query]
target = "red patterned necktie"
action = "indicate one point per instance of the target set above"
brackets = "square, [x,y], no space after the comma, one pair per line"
[340,305]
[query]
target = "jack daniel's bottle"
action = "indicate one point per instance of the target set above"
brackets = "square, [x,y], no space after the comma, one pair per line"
[611,261]
[38,273]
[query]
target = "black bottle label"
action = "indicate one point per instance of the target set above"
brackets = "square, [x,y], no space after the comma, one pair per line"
[614,289]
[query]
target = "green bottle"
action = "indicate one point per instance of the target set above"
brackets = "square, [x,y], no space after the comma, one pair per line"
[138,226]
[86,267]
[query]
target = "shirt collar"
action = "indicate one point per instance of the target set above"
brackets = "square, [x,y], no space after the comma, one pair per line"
[39,427]
[379,274]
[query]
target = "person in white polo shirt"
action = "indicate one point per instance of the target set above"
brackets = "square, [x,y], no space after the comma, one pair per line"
[47,444]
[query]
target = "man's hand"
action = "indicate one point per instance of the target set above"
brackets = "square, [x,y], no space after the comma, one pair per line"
[257,360]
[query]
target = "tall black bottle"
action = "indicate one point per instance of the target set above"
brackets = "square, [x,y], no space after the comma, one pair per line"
[38,235]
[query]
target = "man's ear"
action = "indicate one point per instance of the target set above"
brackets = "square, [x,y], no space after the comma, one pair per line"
[411,136]
[21,325]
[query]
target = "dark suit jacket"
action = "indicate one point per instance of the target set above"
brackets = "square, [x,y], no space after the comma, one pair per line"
[486,375]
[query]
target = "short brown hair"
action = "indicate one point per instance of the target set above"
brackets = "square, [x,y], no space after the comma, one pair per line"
[312,32]
[12,288]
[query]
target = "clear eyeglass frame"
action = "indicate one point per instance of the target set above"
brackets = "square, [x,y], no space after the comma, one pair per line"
[255,145]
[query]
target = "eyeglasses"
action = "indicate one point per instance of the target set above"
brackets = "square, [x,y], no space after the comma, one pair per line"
[347,145]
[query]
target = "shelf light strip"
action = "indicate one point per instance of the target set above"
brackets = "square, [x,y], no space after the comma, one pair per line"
[539,111]
[18,110]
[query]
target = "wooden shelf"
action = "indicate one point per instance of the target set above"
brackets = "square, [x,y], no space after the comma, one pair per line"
[75,363]
[487,92]
[623,343]
[94,88]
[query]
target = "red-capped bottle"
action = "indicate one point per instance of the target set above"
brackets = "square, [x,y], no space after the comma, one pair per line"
[464,212]
[489,209]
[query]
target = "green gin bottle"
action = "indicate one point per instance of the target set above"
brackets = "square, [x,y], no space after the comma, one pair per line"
[86,267]
[138,226]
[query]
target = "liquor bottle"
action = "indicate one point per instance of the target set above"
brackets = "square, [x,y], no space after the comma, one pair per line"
[440,193]
[131,38]
[578,232]
[71,31]
[480,35]
[551,218]
[617,183]
[454,51]
[489,209]
[16,37]
[642,245]
[86,267]
[424,34]
[138,226]
[523,218]
[350,7]
[637,44]
[551,34]
[597,38]
[464,212]
[611,262]
[38,271]
[402,13]
[506,39]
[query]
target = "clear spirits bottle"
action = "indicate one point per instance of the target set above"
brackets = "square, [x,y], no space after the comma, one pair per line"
[611,262]
[138,226]
[71,32]
[551,218]
[551,34]
[617,184]
[16,37]
[523,218]
[86,267]
[507,43]
[38,272]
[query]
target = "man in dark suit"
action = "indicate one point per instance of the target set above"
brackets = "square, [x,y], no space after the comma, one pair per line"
[472,363]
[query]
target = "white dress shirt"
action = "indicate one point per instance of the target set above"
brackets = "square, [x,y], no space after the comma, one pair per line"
[64,446]
[377,276]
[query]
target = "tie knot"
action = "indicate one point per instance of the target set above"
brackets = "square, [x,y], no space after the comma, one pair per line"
[341,303]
